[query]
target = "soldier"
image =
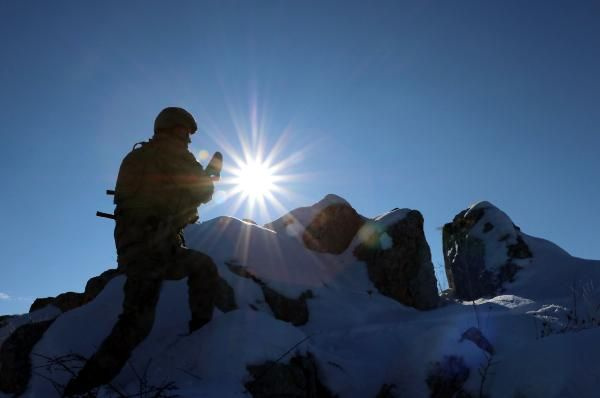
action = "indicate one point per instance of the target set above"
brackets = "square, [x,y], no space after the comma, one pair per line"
[159,188]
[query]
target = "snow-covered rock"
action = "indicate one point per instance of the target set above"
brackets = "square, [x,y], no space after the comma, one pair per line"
[398,258]
[286,311]
[70,300]
[328,226]
[483,249]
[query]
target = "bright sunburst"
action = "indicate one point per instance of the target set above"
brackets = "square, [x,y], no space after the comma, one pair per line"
[254,179]
[257,176]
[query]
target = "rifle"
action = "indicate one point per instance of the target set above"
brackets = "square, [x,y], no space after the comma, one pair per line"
[107,215]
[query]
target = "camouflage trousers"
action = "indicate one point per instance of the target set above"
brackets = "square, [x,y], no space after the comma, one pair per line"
[145,272]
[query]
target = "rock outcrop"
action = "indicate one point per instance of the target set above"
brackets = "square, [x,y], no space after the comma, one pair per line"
[332,229]
[280,298]
[4,320]
[15,352]
[398,259]
[483,249]
[328,226]
[70,300]
[225,297]
[297,379]
[294,311]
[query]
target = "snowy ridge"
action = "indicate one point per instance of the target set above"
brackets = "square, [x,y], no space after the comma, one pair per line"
[360,339]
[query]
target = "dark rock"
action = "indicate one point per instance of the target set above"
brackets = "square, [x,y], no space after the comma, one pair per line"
[294,311]
[403,272]
[519,249]
[465,249]
[297,379]
[71,300]
[284,308]
[508,271]
[225,297]
[15,362]
[387,391]
[487,227]
[64,301]
[4,320]
[466,271]
[332,229]
[475,336]
[242,271]
[446,378]
[94,286]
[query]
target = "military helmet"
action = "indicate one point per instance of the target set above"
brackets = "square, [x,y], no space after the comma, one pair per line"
[172,117]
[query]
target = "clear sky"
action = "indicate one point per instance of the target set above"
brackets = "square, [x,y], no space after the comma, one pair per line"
[420,104]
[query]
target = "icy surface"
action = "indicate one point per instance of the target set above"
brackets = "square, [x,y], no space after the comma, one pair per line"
[360,339]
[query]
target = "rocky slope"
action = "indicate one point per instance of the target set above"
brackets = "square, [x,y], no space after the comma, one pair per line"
[325,302]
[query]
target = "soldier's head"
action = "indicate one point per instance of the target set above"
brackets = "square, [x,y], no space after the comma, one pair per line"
[176,122]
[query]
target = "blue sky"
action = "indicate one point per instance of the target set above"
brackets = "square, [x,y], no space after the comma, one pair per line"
[427,105]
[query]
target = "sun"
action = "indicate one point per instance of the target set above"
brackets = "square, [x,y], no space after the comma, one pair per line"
[254,179]
[257,177]
[260,165]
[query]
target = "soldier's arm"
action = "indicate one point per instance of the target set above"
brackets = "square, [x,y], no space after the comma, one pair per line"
[200,185]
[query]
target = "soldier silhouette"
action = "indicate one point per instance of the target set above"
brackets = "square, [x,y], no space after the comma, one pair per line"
[159,188]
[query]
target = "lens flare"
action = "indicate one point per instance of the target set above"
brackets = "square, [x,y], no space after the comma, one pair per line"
[203,155]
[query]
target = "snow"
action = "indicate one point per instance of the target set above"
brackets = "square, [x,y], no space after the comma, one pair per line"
[41,315]
[360,338]
[219,351]
[498,238]
[391,217]
[79,331]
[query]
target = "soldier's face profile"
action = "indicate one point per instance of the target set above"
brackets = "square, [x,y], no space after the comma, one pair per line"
[182,132]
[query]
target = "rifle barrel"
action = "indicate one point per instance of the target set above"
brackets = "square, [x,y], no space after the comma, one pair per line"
[105,215]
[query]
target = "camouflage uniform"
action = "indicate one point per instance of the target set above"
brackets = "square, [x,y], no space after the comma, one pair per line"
[159,187]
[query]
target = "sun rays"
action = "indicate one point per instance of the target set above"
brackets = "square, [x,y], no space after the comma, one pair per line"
[257,175]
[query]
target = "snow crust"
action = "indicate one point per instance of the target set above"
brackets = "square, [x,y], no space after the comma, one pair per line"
[360,338]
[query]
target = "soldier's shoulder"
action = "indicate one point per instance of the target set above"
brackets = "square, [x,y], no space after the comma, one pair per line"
[139,152]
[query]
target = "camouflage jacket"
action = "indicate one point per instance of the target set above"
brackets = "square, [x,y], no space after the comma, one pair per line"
[161,180]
